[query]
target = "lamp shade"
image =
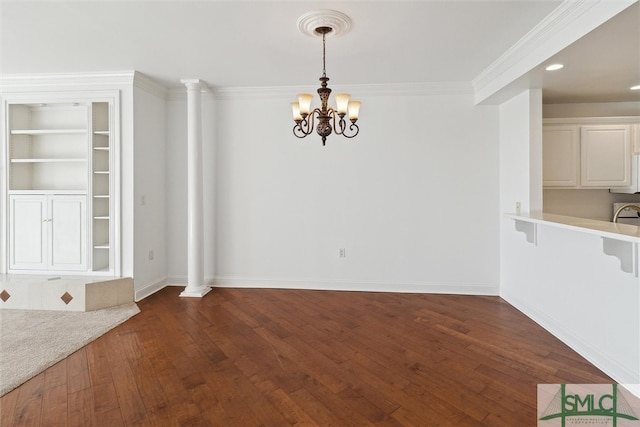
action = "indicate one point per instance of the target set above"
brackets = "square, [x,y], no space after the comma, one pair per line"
[342,102]
[354,110]
[295,109]
[304,102]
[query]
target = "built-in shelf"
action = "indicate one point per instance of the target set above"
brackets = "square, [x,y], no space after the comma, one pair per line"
[101,148]
[101,246]
[101,172]
[101,217]
[101,132]
[100,196]
[47,131]
[47,160]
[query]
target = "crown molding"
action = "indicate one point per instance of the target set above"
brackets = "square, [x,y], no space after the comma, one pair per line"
[35,82]
[149,85]
[571,20]
[90,80]
[358,90]
[544,30]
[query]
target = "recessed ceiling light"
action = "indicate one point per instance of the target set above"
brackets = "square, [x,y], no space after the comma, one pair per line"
[636,87]
[554,67]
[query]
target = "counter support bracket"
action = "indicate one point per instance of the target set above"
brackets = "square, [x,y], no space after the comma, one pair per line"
[530,230]
[626,252]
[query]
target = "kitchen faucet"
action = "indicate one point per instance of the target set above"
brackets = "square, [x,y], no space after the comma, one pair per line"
[623,207]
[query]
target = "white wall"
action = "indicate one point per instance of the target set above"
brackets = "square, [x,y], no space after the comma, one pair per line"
[521,153]
[150,193]
[413,199]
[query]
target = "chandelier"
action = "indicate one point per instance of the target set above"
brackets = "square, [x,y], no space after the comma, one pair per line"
[329,119]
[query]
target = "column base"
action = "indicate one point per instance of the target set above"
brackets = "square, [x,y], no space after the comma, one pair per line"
[195,293]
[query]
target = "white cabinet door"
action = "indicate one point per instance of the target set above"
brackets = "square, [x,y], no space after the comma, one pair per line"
[48,232]
[560,145]
[28,232]
[605,156]
[67,232]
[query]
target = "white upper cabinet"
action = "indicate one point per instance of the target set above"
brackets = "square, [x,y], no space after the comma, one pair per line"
[605,159]
[560,155]
[589,152]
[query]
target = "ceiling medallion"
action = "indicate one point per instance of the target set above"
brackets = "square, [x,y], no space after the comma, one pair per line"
[321,24]
[338,22]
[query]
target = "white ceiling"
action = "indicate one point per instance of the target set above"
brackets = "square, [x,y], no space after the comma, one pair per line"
[257,43]
[600,67]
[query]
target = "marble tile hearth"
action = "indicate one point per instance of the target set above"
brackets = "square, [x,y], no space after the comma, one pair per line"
[68,293]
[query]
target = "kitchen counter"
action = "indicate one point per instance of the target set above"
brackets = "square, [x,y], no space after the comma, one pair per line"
[624,232]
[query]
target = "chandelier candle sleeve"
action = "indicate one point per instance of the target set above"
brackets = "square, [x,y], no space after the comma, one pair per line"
[329,120]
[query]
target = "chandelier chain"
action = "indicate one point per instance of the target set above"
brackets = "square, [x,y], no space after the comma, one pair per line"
[324,67]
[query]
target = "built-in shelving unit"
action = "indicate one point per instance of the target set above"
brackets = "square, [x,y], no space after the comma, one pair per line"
[59,157]
[101,186]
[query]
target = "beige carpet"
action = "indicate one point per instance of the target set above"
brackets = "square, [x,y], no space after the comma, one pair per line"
[33,340]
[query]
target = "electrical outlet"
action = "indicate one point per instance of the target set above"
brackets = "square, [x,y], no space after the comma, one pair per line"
[343,253]
[151,255]
[143,200]
[518,208]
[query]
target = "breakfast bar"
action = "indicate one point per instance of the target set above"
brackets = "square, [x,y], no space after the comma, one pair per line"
[578,278]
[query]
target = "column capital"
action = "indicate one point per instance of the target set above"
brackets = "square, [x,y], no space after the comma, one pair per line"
[194,84]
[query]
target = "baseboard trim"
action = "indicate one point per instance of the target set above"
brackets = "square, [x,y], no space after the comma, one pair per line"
[360,286]
[328,285]
[150,289]
[612,368]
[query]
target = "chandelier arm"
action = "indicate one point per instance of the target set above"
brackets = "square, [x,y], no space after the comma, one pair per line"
[352,126]
[305,126]
[298,132]
[341,127]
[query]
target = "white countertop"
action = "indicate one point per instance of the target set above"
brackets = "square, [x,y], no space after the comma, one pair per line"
[625,232]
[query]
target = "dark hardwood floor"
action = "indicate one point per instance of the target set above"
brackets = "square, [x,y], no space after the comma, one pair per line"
[255,357]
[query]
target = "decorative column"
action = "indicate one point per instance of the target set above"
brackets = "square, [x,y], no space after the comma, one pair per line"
[195,246]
